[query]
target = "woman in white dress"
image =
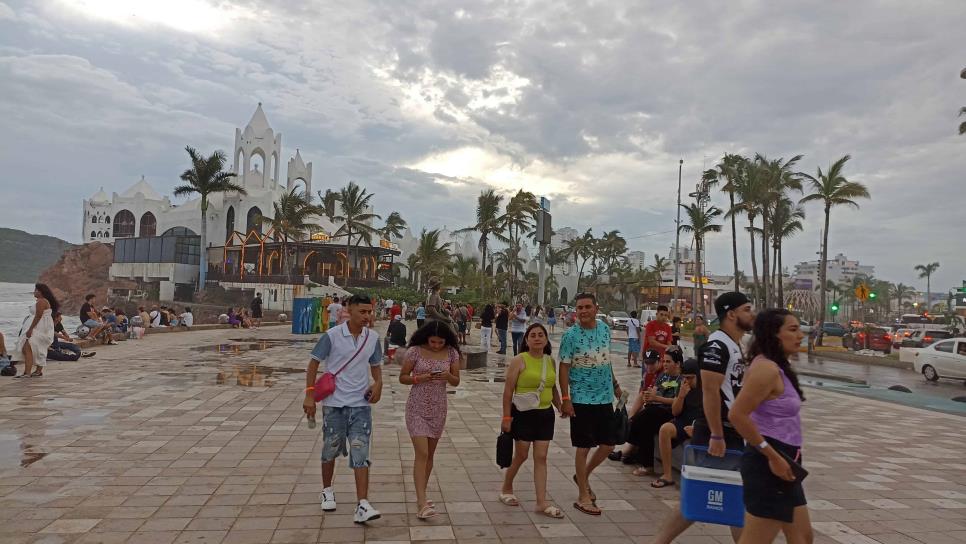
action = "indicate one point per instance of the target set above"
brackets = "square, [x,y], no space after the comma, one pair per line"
[36,338]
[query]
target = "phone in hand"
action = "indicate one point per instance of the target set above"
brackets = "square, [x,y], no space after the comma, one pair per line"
[436,372]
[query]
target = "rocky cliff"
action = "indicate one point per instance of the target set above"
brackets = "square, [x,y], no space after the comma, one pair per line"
[79,271]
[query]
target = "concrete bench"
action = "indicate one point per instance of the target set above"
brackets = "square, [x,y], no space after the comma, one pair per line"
[473,358]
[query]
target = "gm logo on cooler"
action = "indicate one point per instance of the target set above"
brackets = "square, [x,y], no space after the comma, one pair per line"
[715,500]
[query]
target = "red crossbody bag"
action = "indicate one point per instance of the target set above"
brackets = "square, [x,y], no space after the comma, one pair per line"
[325,385]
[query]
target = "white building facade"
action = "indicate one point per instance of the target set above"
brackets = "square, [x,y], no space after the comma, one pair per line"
[839,269]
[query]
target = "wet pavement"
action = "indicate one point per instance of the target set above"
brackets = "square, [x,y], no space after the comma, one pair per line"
[199,437]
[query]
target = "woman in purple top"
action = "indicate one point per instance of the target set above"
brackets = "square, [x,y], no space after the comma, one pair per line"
[766,413]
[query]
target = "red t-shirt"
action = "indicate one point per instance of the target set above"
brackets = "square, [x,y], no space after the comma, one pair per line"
[394,311]
[660,331]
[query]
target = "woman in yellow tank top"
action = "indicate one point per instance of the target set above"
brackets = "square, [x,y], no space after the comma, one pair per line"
[531,426]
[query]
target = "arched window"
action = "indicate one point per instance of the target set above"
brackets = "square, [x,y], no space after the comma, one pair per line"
[124,224]
[179,231]
[229,222]
[254,222]
[149,225]
[563,296]
[93,219]
[93,234]
[107,220]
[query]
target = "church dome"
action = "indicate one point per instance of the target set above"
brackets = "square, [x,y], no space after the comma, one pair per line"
[144,188]
[100,197]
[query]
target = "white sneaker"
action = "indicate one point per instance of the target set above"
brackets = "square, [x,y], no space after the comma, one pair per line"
[327,498]
[365,512]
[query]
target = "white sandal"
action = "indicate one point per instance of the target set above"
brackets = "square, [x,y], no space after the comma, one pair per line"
[509,499]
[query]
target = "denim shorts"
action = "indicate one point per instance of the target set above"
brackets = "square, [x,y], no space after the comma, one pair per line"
[91,324]
[633,345]
[352,424]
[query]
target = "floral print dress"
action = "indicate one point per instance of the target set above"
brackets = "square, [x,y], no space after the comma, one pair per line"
[426,407]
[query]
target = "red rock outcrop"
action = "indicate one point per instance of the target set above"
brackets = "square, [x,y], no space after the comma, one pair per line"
[79,271]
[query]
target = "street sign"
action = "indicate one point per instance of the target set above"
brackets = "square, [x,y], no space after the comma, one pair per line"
[862,291]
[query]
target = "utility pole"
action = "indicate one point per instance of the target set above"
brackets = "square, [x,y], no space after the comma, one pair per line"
[543,235]
[677,241]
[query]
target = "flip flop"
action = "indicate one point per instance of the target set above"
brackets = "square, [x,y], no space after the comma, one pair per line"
[641,471]
[593,496]
[661,482]
[587,509]
[426,512]
[552,511]
[509,499]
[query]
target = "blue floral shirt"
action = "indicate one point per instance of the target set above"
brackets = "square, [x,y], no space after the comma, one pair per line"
[587,353]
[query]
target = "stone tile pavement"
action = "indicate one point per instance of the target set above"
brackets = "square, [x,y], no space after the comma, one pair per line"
[196,438]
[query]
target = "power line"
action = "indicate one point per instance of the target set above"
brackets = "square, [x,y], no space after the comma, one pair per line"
[648,235]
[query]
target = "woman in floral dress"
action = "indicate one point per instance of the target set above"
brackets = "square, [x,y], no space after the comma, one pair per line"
[432,361]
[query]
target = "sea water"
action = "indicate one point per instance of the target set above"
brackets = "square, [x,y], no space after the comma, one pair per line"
[15,302]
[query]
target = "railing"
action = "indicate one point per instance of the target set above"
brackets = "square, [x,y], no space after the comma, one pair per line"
[235,277]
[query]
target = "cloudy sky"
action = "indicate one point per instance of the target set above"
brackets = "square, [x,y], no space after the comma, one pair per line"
[426,103]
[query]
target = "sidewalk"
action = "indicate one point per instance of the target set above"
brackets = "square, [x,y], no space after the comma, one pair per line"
[154,441]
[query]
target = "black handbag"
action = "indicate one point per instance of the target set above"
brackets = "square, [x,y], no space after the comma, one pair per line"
[622,425]
[504,450]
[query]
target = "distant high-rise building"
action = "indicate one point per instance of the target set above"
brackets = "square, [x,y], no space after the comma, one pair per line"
[838,270]
[637,259]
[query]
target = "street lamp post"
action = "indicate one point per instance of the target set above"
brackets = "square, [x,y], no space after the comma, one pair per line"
[677,240]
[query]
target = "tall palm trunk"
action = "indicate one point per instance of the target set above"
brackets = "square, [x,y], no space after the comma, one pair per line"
[821,270]
[698,244]
[765,275]
[781,278]
[203,261]
[348,241]
[483,273]
[754,260]
[734,237]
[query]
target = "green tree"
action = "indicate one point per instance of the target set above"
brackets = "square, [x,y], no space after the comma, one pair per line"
[731,169]
[900,291]
[394,227]
[432,255]
[926,271]
[356,220]
[521,215]
[488,223]
[779,178]
[463,270]
[206,177]
[580,249]
[750,189]
[510,261]
[700,222]
[292,220]
[832,189]
[786,222]
[329,203]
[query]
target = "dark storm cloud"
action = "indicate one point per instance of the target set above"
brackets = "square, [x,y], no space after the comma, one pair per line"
[603,97]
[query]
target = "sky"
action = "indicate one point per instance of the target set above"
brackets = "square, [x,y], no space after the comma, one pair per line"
[591,104]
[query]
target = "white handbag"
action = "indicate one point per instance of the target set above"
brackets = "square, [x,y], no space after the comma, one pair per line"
[531,399]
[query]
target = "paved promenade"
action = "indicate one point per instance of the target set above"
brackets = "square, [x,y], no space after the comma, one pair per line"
[175,439]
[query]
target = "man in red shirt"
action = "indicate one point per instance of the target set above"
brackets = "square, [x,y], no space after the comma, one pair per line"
[657,333]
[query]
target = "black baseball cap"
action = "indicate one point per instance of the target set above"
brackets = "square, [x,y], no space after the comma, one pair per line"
[690,366]
[676,355]
[652,356]
[729,301]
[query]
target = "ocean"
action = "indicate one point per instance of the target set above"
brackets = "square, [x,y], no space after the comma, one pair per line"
[15,302]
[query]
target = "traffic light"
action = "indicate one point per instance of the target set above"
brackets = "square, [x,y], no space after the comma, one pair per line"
[872,295]
[835,308]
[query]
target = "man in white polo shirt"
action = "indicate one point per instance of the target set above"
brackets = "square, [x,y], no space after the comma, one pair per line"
[352,352]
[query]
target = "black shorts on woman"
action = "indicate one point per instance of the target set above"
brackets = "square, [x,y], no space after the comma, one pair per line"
[766,495]
[532,425]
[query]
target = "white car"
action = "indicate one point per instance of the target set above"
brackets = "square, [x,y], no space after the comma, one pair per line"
[943,359]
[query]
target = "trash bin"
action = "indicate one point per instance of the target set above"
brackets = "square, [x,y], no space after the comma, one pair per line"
[712,494]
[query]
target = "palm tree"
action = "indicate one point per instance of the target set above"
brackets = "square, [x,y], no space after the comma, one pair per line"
[656,273]
[750,189]
[394,227]
[329,203]
[926,271]
[900,291]
[832,189]
[488,223]
[432,256]
[520,216]
[356,219]
[580,249]
[462,270]
[786,222]
[700,222]
[555,258]
[291,221]
[731,170]
[510,261]
[206,177]
[779,178]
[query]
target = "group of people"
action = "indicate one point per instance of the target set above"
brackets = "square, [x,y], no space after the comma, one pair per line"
[513,320]
[716,401]
[164,316]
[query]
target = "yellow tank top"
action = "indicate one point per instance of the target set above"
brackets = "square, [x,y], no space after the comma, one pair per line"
[529,379]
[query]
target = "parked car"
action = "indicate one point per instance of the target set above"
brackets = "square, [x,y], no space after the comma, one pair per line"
[806,326]
[602,317]
[832,328]
[874,338]
[617,320]
[921,338]
[943,359]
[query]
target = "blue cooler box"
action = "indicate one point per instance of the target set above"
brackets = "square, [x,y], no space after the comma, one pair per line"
[712,495]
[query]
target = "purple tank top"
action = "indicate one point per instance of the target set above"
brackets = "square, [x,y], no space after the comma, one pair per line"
[780,418]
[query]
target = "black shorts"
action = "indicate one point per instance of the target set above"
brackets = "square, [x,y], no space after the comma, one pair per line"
[256,314]
[461,326]
[766,495]
[592,426]
[702,435]
[681,436]
[532,425]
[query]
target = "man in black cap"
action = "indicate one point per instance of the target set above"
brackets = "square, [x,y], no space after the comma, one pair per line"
[686,408]
[722,368]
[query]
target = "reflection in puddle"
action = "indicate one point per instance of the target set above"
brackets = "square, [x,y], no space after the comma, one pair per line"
[253,375]
[14,452]
[251,344]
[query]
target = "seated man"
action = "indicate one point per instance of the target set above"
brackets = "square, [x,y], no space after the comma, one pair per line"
[686,408]
[656,412]
[649,374]
[63,348]
[92,320]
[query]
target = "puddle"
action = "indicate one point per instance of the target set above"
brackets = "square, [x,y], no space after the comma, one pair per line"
[14,452]
[250,344]
[253,375]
